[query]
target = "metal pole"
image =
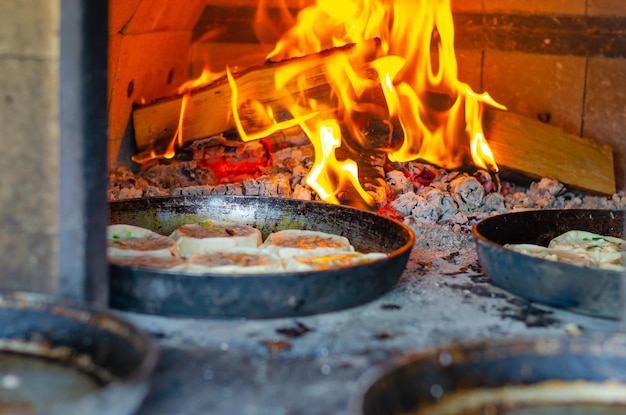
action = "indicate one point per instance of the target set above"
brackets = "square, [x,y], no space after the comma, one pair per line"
[83,269]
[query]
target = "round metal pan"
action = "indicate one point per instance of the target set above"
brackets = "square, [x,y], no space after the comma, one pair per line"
[259,296]
[547,376]
[61,358]
[582,289]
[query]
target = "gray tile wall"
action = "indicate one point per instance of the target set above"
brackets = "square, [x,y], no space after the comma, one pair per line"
[29,108]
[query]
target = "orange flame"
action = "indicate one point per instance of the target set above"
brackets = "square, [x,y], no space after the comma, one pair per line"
[205,78]
[409,45]
[266,112]
[397,64]
[417,66]
[329,176]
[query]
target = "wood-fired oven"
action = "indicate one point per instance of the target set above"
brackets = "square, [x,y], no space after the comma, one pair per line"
[559,62]
[73,74]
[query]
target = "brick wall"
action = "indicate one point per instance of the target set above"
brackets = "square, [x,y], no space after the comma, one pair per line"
[563,61]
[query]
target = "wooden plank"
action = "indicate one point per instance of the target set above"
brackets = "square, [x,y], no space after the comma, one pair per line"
[209,111]
[536,149]
[520,144]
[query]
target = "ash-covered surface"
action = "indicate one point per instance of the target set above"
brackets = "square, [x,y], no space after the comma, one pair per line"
[310,365]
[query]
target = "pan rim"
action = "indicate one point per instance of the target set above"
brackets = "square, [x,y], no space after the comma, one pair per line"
[299,282]
[554,283]
[591,345]
[84,314]
[394,253]
[479,236]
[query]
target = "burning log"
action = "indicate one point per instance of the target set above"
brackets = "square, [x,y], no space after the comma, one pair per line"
[209,111]
[520,145]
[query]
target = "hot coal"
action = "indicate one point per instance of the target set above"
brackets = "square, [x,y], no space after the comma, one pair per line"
[439,205]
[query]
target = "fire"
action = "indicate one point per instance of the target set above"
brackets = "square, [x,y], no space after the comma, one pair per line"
[328,175]
[409,46]
[396,66]
[265,113]
[205,78]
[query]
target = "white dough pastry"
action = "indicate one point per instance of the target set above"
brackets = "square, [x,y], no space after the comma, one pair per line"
[128,240]
[330,261]
[579,247]
[235,261]
[196,238]
[291,242]
[165,263]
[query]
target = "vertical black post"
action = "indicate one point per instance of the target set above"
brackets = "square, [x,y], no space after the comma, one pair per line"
[623,282]
[83,210]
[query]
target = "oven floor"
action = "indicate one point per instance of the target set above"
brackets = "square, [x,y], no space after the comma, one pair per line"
[312,365]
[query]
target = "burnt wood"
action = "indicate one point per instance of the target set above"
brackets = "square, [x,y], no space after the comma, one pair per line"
[518,142]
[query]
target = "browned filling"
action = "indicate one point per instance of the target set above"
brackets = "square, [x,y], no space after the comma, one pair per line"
[142,244]
[201,231]
[147,261]
[218,259]
[307,242]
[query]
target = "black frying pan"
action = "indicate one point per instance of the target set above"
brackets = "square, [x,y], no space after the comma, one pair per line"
[578,288]
[259,296]
[548,376]
[62,358]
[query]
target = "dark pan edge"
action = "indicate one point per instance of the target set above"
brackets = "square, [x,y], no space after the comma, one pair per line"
[118,346]
[400,386]
[267,296]
[580,289]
